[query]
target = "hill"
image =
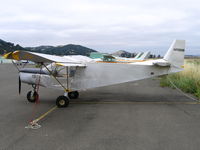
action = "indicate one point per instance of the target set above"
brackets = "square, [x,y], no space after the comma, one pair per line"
[69,49]
[9,47]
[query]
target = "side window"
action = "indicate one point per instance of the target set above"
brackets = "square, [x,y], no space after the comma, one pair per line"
[60,70]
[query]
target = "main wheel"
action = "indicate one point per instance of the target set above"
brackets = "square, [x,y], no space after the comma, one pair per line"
[32,96]
[62,101]
[73,95]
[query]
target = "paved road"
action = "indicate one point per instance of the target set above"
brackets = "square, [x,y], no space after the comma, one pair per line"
[111,118]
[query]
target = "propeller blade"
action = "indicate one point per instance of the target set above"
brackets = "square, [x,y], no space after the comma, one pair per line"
[19,85]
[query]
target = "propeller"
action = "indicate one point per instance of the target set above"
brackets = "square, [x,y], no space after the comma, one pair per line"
[19,85]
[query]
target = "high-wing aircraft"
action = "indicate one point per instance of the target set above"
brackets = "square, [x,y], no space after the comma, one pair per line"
[75,73]
[138,58]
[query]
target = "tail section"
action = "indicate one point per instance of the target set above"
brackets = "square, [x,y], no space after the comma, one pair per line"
[144,56]
[138,55]
[175,54]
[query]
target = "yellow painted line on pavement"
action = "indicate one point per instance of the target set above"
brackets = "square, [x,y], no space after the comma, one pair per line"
[45,114]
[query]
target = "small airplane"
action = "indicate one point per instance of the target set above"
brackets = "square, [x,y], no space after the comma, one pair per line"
[112,58]
[75,73]
[141,56]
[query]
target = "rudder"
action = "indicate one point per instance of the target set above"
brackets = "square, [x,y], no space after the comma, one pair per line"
[175,54]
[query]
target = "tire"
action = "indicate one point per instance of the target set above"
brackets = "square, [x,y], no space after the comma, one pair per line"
[62,101]
[73,95]
[32,97]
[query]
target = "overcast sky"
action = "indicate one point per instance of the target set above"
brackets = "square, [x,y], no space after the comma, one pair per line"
[104,25]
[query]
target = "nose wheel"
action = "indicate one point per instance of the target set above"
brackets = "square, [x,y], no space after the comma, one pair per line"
[32,96]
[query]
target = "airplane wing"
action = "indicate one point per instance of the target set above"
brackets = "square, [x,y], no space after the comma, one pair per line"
[39,58]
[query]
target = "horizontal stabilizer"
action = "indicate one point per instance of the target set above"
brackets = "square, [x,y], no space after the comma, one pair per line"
[162,64]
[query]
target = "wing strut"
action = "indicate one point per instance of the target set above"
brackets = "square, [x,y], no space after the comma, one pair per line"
[66,89]
[67,77]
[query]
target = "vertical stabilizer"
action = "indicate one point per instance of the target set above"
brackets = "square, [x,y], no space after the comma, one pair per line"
[144,56]
[138,55]
[175,54]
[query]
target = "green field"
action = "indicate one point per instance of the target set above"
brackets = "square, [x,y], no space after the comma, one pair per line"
[188,80]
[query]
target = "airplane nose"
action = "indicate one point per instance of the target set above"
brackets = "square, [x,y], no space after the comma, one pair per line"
[26,77]
[34,76]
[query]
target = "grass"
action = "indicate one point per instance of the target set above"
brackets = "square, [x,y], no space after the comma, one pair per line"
[187,80]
